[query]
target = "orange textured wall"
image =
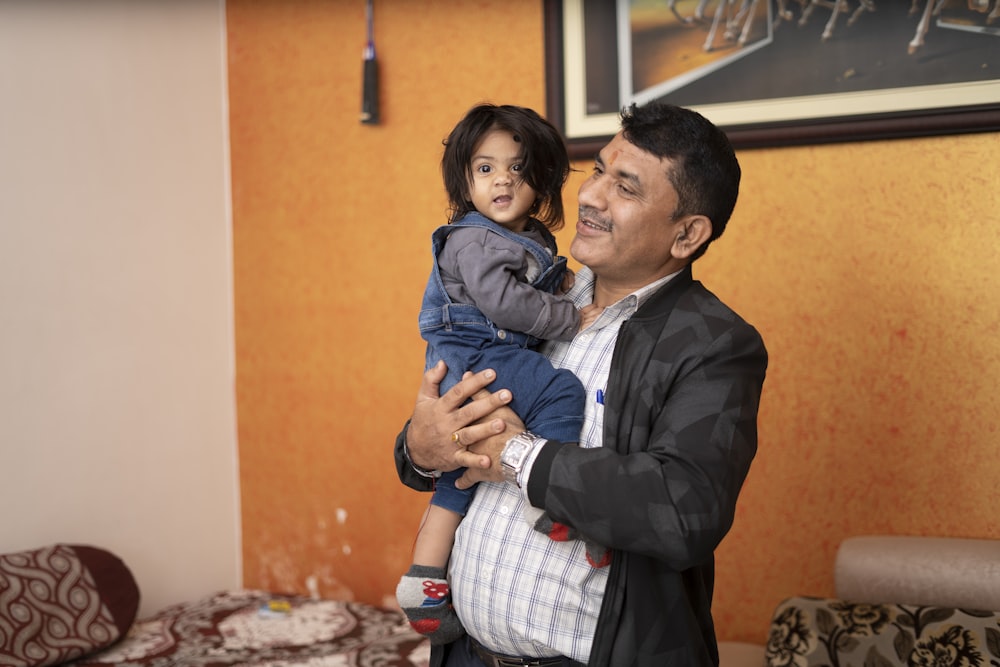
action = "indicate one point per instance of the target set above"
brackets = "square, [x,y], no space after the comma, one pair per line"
[872,269]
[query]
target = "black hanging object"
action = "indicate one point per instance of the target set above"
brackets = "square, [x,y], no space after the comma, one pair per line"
[369,90]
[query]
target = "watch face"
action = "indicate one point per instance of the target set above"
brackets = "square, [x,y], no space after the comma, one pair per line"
[513,454]
[518,448]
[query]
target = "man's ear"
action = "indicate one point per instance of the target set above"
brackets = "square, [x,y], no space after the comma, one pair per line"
[692,233]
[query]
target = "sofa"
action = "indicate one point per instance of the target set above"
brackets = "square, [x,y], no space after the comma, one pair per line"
[899,600]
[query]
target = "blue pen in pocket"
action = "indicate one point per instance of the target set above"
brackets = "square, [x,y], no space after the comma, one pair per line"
[600,397]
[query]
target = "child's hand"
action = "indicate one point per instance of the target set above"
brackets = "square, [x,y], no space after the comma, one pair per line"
[588,314]
[568,281]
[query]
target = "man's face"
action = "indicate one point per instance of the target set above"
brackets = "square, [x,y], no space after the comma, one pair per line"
[625,232]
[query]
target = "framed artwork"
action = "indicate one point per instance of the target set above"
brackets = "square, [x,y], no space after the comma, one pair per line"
[776,72]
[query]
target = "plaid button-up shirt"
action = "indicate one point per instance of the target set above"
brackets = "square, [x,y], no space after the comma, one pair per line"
[515,590]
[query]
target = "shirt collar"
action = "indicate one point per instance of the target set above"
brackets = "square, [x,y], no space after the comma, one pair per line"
[582,292]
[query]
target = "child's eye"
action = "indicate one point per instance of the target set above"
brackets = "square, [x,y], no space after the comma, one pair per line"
[517,167]
[484,169]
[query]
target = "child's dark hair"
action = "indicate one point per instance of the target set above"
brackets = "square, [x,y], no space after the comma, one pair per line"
[545,164]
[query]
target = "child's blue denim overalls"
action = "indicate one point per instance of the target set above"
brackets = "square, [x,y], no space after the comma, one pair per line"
[548,400]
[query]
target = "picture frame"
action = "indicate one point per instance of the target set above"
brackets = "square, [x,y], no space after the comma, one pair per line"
[783,84]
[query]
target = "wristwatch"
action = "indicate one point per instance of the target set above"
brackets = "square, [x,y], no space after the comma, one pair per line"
[516,452]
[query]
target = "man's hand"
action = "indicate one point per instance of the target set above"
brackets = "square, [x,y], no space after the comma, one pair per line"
[442,427]
[491,446]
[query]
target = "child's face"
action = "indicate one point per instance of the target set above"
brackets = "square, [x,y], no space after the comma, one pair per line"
[496,188]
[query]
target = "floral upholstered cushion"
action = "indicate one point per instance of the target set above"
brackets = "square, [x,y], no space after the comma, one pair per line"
[815,631]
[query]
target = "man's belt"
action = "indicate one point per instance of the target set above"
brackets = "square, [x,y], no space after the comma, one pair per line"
[499,660]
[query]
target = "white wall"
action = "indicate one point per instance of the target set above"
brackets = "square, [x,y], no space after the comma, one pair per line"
[117,402]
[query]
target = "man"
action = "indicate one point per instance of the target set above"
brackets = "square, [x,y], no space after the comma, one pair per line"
[674,379]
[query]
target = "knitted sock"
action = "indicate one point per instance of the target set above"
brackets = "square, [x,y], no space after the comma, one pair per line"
[597,555]
[425,597]
[558,532]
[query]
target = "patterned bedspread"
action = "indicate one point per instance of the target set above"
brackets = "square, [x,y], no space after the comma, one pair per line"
[255,628]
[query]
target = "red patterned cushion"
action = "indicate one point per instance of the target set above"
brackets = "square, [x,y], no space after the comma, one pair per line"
[62,602]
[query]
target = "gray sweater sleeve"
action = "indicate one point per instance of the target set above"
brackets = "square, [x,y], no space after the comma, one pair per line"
[486,270]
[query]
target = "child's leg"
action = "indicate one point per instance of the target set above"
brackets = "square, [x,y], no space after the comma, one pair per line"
[423,592]
[436,536]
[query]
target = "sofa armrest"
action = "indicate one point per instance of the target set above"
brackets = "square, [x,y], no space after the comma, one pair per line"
[937,571]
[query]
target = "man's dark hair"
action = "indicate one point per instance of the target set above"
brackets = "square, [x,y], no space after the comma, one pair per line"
[545,161]
[704,172]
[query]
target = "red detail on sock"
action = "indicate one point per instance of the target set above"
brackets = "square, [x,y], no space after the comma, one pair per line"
[559,532]
[604,562]
[435,589]
[426,626]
